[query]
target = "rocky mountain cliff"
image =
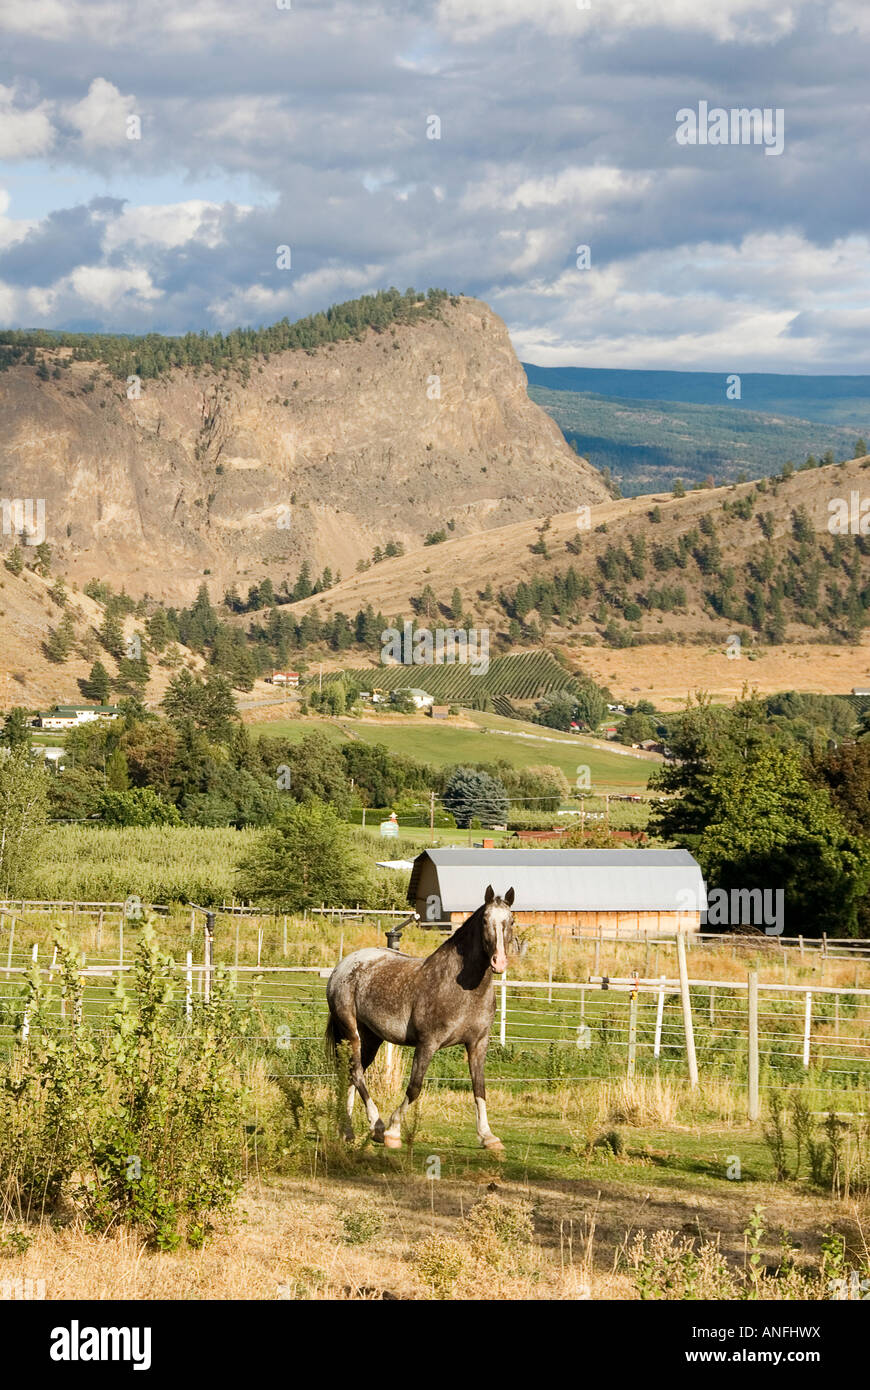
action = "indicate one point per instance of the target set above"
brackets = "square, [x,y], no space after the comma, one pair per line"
[317,456]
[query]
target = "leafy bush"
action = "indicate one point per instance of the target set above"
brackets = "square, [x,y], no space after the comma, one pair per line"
[442,1261]
[137,806]
[306,858]
[362,1225]
[139,1123]
[499,1232]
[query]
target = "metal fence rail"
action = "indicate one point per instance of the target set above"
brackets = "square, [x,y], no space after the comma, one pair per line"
[543,1030]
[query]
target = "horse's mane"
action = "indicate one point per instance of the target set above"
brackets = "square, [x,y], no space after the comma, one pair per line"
[466,934]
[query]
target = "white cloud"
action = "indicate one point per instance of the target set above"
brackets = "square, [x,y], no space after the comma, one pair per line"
[168,225]
[101,116]
[747,21]
[23,133]
[11,230]
[743,307]
[850,17]
[264,303]
[108,287]
[511,189]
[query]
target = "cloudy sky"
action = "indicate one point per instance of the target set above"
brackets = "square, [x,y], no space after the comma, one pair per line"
[306,123]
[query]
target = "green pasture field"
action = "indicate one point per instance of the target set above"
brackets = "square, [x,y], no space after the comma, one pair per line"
[444,744]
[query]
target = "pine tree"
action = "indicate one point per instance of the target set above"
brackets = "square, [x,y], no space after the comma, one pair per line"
[60,640]
[112,633]
[97,685]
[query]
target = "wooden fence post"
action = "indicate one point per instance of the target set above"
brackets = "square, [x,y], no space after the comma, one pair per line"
[632,1034]
[188,986]
[550,967]
[660,1010]
[837,1016]
[752,1012]
[207,957]
[11,940]
[285,935]
[687,1011]
[808,1022]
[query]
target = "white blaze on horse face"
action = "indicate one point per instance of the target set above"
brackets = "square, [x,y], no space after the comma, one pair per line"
[499,958]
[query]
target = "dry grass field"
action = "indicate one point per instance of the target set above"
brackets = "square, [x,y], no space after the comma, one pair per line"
[557,1218]
[668,673]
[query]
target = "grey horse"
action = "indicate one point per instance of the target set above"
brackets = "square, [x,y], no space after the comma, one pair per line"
[446,999]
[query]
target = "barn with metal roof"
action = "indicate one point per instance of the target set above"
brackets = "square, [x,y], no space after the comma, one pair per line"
[578,890]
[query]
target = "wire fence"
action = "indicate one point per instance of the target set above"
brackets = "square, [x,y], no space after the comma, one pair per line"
[812,1037]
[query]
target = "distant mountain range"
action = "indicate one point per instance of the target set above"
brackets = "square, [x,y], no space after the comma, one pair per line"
[648,427]
[834,400]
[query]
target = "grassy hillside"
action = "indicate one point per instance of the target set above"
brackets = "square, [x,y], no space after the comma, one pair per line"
[524,745]
[753,557]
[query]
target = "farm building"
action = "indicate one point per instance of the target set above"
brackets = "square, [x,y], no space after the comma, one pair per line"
[69,716]
[422,699]
[580,891]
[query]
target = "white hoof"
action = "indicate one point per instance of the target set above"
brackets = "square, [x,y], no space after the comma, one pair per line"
[392,1141]
[489,1141]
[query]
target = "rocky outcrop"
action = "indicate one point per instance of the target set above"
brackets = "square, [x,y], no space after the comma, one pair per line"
[315,457]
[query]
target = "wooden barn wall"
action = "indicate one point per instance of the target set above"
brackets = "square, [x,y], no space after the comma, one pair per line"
[590,923]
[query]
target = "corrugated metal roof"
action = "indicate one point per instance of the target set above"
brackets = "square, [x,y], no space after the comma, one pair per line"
[568,880]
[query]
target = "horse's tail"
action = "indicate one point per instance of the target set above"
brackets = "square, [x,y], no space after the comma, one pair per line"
[331,1041]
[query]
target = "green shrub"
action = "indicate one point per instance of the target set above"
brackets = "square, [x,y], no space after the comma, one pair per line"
[139,1123]
[362,1225]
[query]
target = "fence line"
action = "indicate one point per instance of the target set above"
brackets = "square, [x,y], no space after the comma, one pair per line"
[786,1027]
[823,944]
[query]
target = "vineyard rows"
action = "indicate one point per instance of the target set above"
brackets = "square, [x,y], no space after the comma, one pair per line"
[523,676]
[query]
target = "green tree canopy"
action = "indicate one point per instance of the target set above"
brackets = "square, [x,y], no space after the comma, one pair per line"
[472,795]
[137,806]
[305,859]
[771,829]
[23,812]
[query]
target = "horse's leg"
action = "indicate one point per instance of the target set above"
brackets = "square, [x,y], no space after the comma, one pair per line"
[476,1062]
[423,1054]
[351,1034]
[369,1045]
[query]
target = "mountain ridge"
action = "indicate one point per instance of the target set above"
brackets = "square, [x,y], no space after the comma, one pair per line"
[311,456]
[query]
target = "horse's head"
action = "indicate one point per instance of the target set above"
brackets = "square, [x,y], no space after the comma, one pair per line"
[498,927]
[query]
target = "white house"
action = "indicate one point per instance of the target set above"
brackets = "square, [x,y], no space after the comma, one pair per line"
[422,699]
[70,716]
